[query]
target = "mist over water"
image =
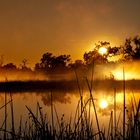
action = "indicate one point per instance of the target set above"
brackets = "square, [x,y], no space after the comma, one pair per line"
[21,75]
[100,72]
[131,69]
[65,91]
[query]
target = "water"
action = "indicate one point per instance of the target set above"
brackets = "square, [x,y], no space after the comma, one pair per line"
[65,103]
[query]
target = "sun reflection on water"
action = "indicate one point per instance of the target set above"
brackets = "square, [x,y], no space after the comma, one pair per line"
[103,104]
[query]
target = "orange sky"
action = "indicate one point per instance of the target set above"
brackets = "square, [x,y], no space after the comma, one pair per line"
[28,28]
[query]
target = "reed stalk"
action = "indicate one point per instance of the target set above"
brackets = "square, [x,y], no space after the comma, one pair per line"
[110,127]
[12,117]
[81,95]
[52,116]
[115,114]
[123,104]
[5,129]
[96,116]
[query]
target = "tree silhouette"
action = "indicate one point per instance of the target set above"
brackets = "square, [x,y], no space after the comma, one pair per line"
[61,61]
[46,60]
[10,66]
[77,65]
[24,67]
[136,41]
[94,56]
[131,48]
[129,51]
[49,62]
[24,63]
[38,67]
[112,51]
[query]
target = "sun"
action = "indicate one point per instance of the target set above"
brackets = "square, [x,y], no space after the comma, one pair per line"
[102,50]
[103,104]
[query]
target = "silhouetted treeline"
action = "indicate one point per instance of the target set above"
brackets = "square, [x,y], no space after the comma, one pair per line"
[128,52]
[51,64]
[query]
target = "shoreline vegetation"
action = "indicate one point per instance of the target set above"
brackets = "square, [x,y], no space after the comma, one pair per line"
[68,85]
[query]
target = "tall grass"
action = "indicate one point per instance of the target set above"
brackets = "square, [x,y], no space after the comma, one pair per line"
[124,107]
[38,127]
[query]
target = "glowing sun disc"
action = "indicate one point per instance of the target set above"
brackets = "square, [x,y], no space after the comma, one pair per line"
[103,104]
[102,50]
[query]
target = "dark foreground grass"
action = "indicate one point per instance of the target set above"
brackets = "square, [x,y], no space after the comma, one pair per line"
[81,127]
[38,127]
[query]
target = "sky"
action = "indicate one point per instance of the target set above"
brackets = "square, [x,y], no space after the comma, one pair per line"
[29,28]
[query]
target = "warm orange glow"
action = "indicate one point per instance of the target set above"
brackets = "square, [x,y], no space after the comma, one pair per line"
[102,50]
[103,104]
[118,74]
